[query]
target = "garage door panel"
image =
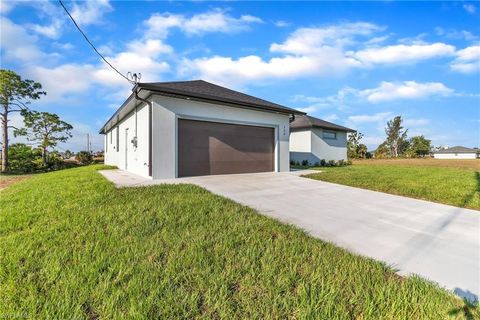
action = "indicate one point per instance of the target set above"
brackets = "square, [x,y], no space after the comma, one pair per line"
[218,148]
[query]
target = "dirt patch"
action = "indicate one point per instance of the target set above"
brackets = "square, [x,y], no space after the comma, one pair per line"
[473,164]
[6,181]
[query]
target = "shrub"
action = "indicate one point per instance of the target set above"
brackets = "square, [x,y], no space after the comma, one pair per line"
[292,162]
[341,163]
[323,162]
[23,158]
[331,163]
[84,157]
[349,162]
[317,164]
[305,163]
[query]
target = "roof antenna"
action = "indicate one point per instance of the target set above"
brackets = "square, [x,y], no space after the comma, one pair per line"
[135,77]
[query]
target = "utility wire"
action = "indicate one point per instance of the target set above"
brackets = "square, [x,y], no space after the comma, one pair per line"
[91,44]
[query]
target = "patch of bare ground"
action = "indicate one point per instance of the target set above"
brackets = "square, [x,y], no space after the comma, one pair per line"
[473,164]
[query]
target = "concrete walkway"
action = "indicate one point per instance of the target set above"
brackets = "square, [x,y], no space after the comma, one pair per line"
[438,242]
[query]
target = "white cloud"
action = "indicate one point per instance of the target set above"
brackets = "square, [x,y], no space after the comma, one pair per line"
[281,24]
[306,41]
[456,34]
[470,8]
[52,31]
[17,44]
[159,24]
[90,12]
[313,52]
[402,53]
[467,61]
[389,91]
[6,6]
[364,118]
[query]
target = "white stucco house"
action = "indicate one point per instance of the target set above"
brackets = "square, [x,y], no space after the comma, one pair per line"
[457,152]
[314,139]
[190,128]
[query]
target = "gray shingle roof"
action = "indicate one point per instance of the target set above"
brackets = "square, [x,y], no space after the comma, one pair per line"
[205,90]
[304,122]
[458,149]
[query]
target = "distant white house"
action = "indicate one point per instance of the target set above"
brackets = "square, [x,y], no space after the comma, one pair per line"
[457,152]
[314,139]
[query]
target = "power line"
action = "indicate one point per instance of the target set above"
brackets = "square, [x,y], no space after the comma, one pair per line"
[91,44]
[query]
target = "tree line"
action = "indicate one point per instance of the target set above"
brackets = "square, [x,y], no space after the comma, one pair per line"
[43,130]
[396,144]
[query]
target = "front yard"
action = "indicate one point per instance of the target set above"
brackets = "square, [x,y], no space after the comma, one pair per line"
[453,182]
[72,246]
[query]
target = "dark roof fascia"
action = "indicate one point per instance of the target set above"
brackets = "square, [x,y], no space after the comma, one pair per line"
[224,101]
[303,128]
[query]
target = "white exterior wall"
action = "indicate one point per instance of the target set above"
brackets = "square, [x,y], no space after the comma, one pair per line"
[454,155]
[301,141]
[167,111]
[128,157]
[309,145]
[329,149]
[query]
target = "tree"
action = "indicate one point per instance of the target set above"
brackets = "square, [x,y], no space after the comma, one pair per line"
[420,146]
[15,94]
[362,151]
[84,157]
[44,128]
[396,137]
[382,151]
[24,158]
[68,154]
[352,144]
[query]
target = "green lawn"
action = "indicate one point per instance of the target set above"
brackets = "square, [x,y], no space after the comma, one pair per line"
[72,247]
[455,186]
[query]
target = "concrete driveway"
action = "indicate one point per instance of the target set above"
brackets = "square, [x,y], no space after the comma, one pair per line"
[438,242]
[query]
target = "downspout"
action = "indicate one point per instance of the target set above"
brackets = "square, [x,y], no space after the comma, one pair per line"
[292,118]
[150,144]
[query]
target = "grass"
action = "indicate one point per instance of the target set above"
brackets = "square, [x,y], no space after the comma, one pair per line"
[74,247]
[454,186]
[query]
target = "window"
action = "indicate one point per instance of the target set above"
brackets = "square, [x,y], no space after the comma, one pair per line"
[118,139]
[106,142]
[111,135]
[329,135]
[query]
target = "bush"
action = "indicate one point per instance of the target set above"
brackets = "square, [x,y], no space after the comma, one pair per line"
[292,162]
[349,162]
[323,162]
[84,157]
[305,163]
[23,158]
[317,164]
[341,163]
[331,163]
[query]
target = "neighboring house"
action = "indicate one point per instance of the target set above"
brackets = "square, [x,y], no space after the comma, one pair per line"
[191,128]
[314,139]
[457,152]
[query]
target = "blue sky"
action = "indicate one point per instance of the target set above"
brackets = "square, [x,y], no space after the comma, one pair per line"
[357,64]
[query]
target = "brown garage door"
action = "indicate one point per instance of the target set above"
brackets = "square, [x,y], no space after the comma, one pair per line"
[206,148]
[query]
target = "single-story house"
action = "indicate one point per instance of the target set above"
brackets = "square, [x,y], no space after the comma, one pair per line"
[457,152]
[192,128]
[314,139]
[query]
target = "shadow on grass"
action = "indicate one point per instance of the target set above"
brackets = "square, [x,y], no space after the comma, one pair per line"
[470,309]
[475,192]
